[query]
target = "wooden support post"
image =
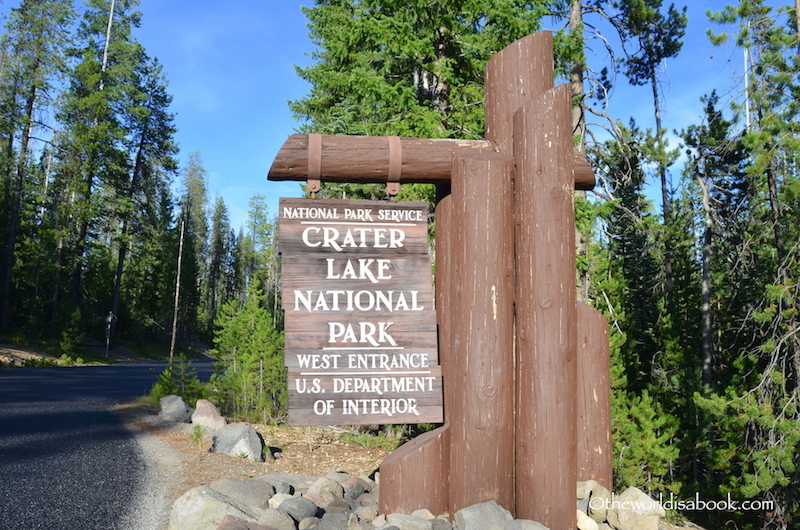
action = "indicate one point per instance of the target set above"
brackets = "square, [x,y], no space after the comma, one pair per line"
[594,398]
[546,437]
[480,384]
[405,486]
[518,73]
[415,475]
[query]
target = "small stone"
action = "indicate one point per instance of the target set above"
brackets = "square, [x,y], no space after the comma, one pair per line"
[484,516]
[239,439]
[277,520]
[333,521]
[338,506]
[585,489]
[408,522]
[316,498]
[635,510]
[327,489]
[423,513]
[441,524]
[338,476]
[599,503]
[354,487]
[299,508]
[277,499]
[585,522]
[247,491]
[308,523]
[366,513]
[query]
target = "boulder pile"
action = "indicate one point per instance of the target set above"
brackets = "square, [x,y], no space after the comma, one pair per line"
[339,501]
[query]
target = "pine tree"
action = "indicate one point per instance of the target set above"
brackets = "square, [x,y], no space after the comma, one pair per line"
[193,211]
[252,379]
[752,410]
[152,148]
[36,33]
[218,270]
[416,70]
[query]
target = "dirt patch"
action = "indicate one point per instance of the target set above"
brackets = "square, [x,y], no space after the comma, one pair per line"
[18,356]
[310,451]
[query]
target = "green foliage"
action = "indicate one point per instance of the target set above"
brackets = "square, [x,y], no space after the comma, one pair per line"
[251,379]
[196,436]
[179,379]
[372,440]
[644,445]
[69,325]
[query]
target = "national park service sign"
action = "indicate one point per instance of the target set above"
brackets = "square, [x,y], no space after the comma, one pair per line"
[361,341]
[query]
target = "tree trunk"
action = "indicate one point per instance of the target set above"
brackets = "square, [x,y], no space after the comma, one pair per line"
[123,245]
[662,172]
[579,129]
[16,201]
[707,332]
[177,297]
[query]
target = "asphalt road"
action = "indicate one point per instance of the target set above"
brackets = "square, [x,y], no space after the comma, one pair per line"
[66,461]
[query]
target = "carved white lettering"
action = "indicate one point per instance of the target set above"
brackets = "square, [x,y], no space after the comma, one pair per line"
[329,237]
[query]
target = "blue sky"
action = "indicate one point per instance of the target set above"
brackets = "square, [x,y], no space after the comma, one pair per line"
[231,70]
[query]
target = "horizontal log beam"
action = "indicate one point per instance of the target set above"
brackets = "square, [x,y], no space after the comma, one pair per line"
[365,159]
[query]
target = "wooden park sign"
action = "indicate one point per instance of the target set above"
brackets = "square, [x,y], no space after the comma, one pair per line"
[360,323]
[524,365]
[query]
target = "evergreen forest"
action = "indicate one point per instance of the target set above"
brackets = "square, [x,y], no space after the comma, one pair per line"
[698,279]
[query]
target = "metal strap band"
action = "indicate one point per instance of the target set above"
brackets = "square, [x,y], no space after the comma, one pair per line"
[395,165]
[314,163]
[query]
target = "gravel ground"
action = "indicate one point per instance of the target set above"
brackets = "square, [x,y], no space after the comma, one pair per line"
[175,464]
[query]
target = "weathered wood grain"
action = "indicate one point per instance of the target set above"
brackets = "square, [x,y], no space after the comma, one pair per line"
[594,398]
[415,475]
[365,159]
[481,384]
[546,437]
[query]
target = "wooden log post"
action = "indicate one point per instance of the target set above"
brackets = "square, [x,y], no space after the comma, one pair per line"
[546,428]
[416,475]
[480,386]
[594,398]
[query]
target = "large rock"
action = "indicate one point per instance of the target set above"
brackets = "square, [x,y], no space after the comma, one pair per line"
[484,516]
[409,522]
[174,409]
[239,439]
[599,503]
[248,492]
[206,415]
[299,508]
[328,489]
[277,520]
[633,509]
[230,522]
[203,508]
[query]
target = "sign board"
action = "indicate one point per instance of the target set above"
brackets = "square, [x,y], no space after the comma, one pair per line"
[360,326]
